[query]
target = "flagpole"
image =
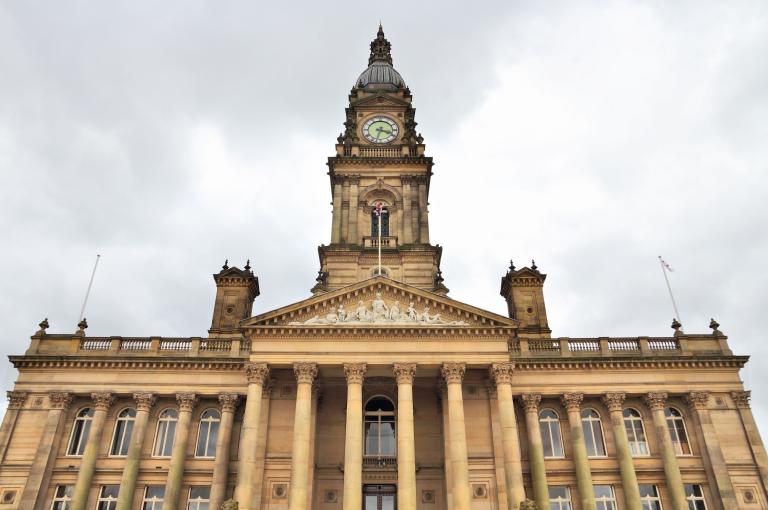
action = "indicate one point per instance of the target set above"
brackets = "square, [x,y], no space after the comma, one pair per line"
[380,211]
[88,292]
[669,288]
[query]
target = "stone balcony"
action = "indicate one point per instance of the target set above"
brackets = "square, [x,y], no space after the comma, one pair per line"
[386,242]
[140,347]
[373,151]
[679,345]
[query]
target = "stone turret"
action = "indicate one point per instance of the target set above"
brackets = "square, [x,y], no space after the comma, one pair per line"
[524,291]
[235,291]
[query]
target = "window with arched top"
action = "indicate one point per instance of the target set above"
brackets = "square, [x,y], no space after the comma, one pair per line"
[593,433]
[633,425]
[551,438]
[380,427]
[166,433]
[121,439]
[676,426]
[208,433]
[384,222]
[81,430]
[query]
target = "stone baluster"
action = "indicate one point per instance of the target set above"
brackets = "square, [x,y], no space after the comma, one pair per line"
[33,495]
[101,402]
[454,374]
[256,373]
[572,403]
[656,401]
[228,403]
[302,427]
[531,403]
[513,471]
[144,403]
[186,403]
[615,404]
[406,443]
[353,442]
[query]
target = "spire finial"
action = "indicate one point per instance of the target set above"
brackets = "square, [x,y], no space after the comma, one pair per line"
[380,48]
[511,265]
[248,265]
[533,265]
[226,264]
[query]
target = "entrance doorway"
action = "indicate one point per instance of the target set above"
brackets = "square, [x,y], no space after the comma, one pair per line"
[380,497]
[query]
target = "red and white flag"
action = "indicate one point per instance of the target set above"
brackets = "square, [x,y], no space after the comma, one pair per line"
[378,209]
[665,265]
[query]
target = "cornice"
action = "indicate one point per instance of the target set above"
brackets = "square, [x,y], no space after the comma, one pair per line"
[524,364]
[122,362]
[367,333]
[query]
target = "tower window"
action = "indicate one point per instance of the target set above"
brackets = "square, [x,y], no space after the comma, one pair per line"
[380,427]
[384,222]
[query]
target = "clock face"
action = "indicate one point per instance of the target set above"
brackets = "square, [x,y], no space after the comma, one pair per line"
[380,130]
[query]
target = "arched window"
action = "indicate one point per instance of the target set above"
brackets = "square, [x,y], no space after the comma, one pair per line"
[633,424]
[676,426]
[384,222]
[380,427]
[80,431]
[549,425]
[121,439]
[165,434]
[208,433]
[593,433]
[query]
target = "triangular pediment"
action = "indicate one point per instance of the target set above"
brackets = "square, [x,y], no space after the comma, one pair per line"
[381,100]
[380,302]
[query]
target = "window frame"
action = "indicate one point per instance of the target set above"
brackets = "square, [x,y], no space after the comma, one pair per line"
[160,420]
[84,433]
[648,502]
[154,500]
[549,421]
[591,425]
[198,500]
[123,432]
[672,421]
[379,415]
[109,502]
[65,499]
[210,422]
[562,503]
[634,421]
[692,498]
[605,500]
[385,231]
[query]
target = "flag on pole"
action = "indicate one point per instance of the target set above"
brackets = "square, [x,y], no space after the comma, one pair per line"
[665,265]
[378,209]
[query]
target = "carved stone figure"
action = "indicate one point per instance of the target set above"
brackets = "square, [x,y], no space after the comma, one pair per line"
[362,312]
[412,315]
[394,311]
[342,313]
[380,308]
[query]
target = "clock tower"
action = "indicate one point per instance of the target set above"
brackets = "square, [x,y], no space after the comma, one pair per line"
[380,160]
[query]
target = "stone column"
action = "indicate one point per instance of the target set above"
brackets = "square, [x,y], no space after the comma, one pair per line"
[656,402]
[353,442]
[536,449]
[697,401]
[33,495]
[302,426]
[261,444]
[336,221]
[144,403]
[454,374]
[615,404]
[407,221]
[102,401]
[423,214]
[353,236]
[187,403]
[513,470]
[228,403]
[256,374]
[572,403]
[16,400]
[741,399]
[406,442]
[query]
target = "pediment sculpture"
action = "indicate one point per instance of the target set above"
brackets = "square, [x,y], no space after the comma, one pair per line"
[379,312]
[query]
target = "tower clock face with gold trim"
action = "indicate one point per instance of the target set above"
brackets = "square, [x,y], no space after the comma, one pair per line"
[380,129]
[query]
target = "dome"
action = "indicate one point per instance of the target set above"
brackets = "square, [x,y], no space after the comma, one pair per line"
[380,75]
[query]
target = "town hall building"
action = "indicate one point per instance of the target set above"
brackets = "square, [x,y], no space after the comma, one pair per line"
[379,391]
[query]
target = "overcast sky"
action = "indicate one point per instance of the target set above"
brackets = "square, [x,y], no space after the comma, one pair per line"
[591,136]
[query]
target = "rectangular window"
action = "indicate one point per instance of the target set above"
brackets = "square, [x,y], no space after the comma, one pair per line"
[695,497]
[649,497]
[605,498]
[199,497]
[62,497]
[153,497]
[559,498]
[108,497]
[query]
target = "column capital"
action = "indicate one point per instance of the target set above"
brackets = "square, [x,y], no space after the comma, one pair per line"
[60,399]
[501,373]
[256,372]
[305,372]
[16,399]
[144,401]
[572,401]
[614,401]
[656,400]
[697,399]
[531,401]
[404,372]
[102,400]
[228,401]
[186,401]
[454,372]
[741,398]
[355,372]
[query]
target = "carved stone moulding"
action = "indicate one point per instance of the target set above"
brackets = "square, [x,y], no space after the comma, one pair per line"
[355,372]
[305,372]
[229,401]
[256,372]
[453,372]
[404,372]
[614,401]
[186,401]
[16,399]
[572,401]
[102,400]
[501,373]
[144,401]
[741,398]
[531,401]
[656,400]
